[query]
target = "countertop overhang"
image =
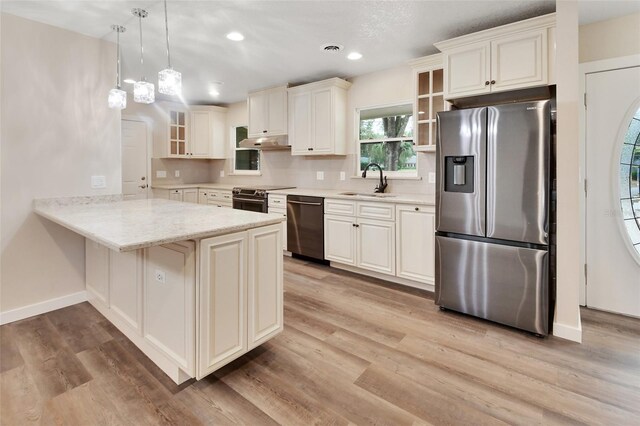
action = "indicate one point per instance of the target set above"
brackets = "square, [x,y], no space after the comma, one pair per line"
[135,224]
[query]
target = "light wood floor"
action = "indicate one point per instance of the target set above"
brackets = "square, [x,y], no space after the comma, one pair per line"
[354,351]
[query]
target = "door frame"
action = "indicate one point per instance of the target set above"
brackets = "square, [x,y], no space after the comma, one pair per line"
[585,69]
[149,124]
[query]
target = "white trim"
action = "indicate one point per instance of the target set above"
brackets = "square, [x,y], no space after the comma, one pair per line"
[42,307]
[584,69]
[568,332]
[149,123]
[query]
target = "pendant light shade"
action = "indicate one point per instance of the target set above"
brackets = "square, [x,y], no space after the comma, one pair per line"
[169,80]
[118,97]
[143,91]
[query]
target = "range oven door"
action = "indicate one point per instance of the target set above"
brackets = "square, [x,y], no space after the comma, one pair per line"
[251,204]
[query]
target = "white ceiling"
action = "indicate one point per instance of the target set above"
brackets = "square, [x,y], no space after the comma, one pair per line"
[283,38]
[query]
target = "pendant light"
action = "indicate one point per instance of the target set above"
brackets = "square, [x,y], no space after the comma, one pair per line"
[169,80]
[117,96]
[143,91]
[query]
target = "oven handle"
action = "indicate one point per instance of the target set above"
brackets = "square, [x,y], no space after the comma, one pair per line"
[248,200]
[303,203]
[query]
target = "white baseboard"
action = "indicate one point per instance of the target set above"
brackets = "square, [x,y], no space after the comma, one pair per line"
[568,332]
[42,307]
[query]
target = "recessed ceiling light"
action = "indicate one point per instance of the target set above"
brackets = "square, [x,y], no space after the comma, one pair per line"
[354,56]
[235,36]
[129,80]
[214,93]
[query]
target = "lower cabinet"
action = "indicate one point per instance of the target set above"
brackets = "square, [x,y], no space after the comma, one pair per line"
[240,300]
[364,243]
[176,194]
[391,239]
[415,243]
[190,195]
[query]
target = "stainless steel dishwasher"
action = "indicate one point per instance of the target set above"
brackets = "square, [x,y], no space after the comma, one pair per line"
[305,226]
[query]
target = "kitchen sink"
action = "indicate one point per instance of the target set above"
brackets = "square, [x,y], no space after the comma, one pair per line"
[367,194]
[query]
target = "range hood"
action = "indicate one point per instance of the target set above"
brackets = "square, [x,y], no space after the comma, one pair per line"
[266,142]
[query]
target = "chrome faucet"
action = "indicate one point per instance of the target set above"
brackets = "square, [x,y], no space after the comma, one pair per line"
[383,183]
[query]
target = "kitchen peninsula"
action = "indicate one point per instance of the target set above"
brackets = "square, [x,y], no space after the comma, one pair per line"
[193,286]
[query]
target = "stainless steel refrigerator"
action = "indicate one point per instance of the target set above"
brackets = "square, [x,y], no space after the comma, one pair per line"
[492,213]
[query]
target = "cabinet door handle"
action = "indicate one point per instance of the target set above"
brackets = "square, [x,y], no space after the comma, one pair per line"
[486,83]
[142,186]
[264,131]
[493,82]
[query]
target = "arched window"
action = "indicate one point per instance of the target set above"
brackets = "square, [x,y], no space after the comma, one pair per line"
[630,181]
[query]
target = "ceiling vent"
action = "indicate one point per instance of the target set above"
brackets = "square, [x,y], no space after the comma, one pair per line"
[332,47]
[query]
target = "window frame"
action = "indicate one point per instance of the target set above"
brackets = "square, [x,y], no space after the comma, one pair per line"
[390,174]
[235,149]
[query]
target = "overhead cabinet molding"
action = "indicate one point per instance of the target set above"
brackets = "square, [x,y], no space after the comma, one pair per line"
[267,111]
[317,118]
[514,56]
[195,131]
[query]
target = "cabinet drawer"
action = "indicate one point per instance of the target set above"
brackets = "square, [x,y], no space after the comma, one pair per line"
[341,207]
[222,196]
[376,210]
[277,210]
[277,201]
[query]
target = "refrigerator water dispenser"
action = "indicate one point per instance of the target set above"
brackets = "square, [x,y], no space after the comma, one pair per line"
[459,174]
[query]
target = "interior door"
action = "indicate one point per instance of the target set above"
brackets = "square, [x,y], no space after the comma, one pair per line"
[135,183]
[613,266]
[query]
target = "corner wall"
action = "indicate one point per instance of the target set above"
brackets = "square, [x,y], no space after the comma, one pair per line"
[567,319]
[56,132]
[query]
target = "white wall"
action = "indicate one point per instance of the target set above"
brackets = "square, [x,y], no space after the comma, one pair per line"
[567,318]
[612,38]
[56,132]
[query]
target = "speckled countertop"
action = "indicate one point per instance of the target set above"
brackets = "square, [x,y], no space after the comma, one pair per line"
[220,186]
[398,198]
[135,224]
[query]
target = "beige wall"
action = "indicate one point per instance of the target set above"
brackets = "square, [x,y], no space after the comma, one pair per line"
[612,38]
[56,133]
[280,167]
[567,318]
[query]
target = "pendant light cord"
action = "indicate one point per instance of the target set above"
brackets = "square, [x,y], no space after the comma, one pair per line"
[166,26]
[141,49]
[118,71]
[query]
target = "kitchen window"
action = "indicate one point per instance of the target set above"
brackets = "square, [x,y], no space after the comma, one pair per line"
[385,137]
[246,161]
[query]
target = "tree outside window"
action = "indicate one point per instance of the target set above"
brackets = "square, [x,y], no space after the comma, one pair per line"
[386,138]
[245,160]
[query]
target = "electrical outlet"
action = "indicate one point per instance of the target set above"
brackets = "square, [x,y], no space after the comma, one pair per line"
[221,173]
[343,175]
[160,276]
[161,173]
[432,177]
[98,182]
[177,173]
[320,175]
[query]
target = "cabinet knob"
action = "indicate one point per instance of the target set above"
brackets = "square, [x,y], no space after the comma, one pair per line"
[493,82]
[486,83]
[309,149]
[417,209]
[264,131]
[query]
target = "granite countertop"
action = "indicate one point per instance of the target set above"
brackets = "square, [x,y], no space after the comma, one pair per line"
[135,224]
[398,198]
[220,186]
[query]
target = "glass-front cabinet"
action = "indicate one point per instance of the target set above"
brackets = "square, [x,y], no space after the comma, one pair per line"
[429,100]
[177,133]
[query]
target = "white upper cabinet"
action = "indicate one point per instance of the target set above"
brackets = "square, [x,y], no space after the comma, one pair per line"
[514,56]
[317,118]
[196,131]
[267,110]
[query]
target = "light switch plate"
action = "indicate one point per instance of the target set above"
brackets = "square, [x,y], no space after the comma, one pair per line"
[432,177]
[161,173]
[177,173]
[343,175]
[98,182]
[221,173]
[160,276]
[320,175]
